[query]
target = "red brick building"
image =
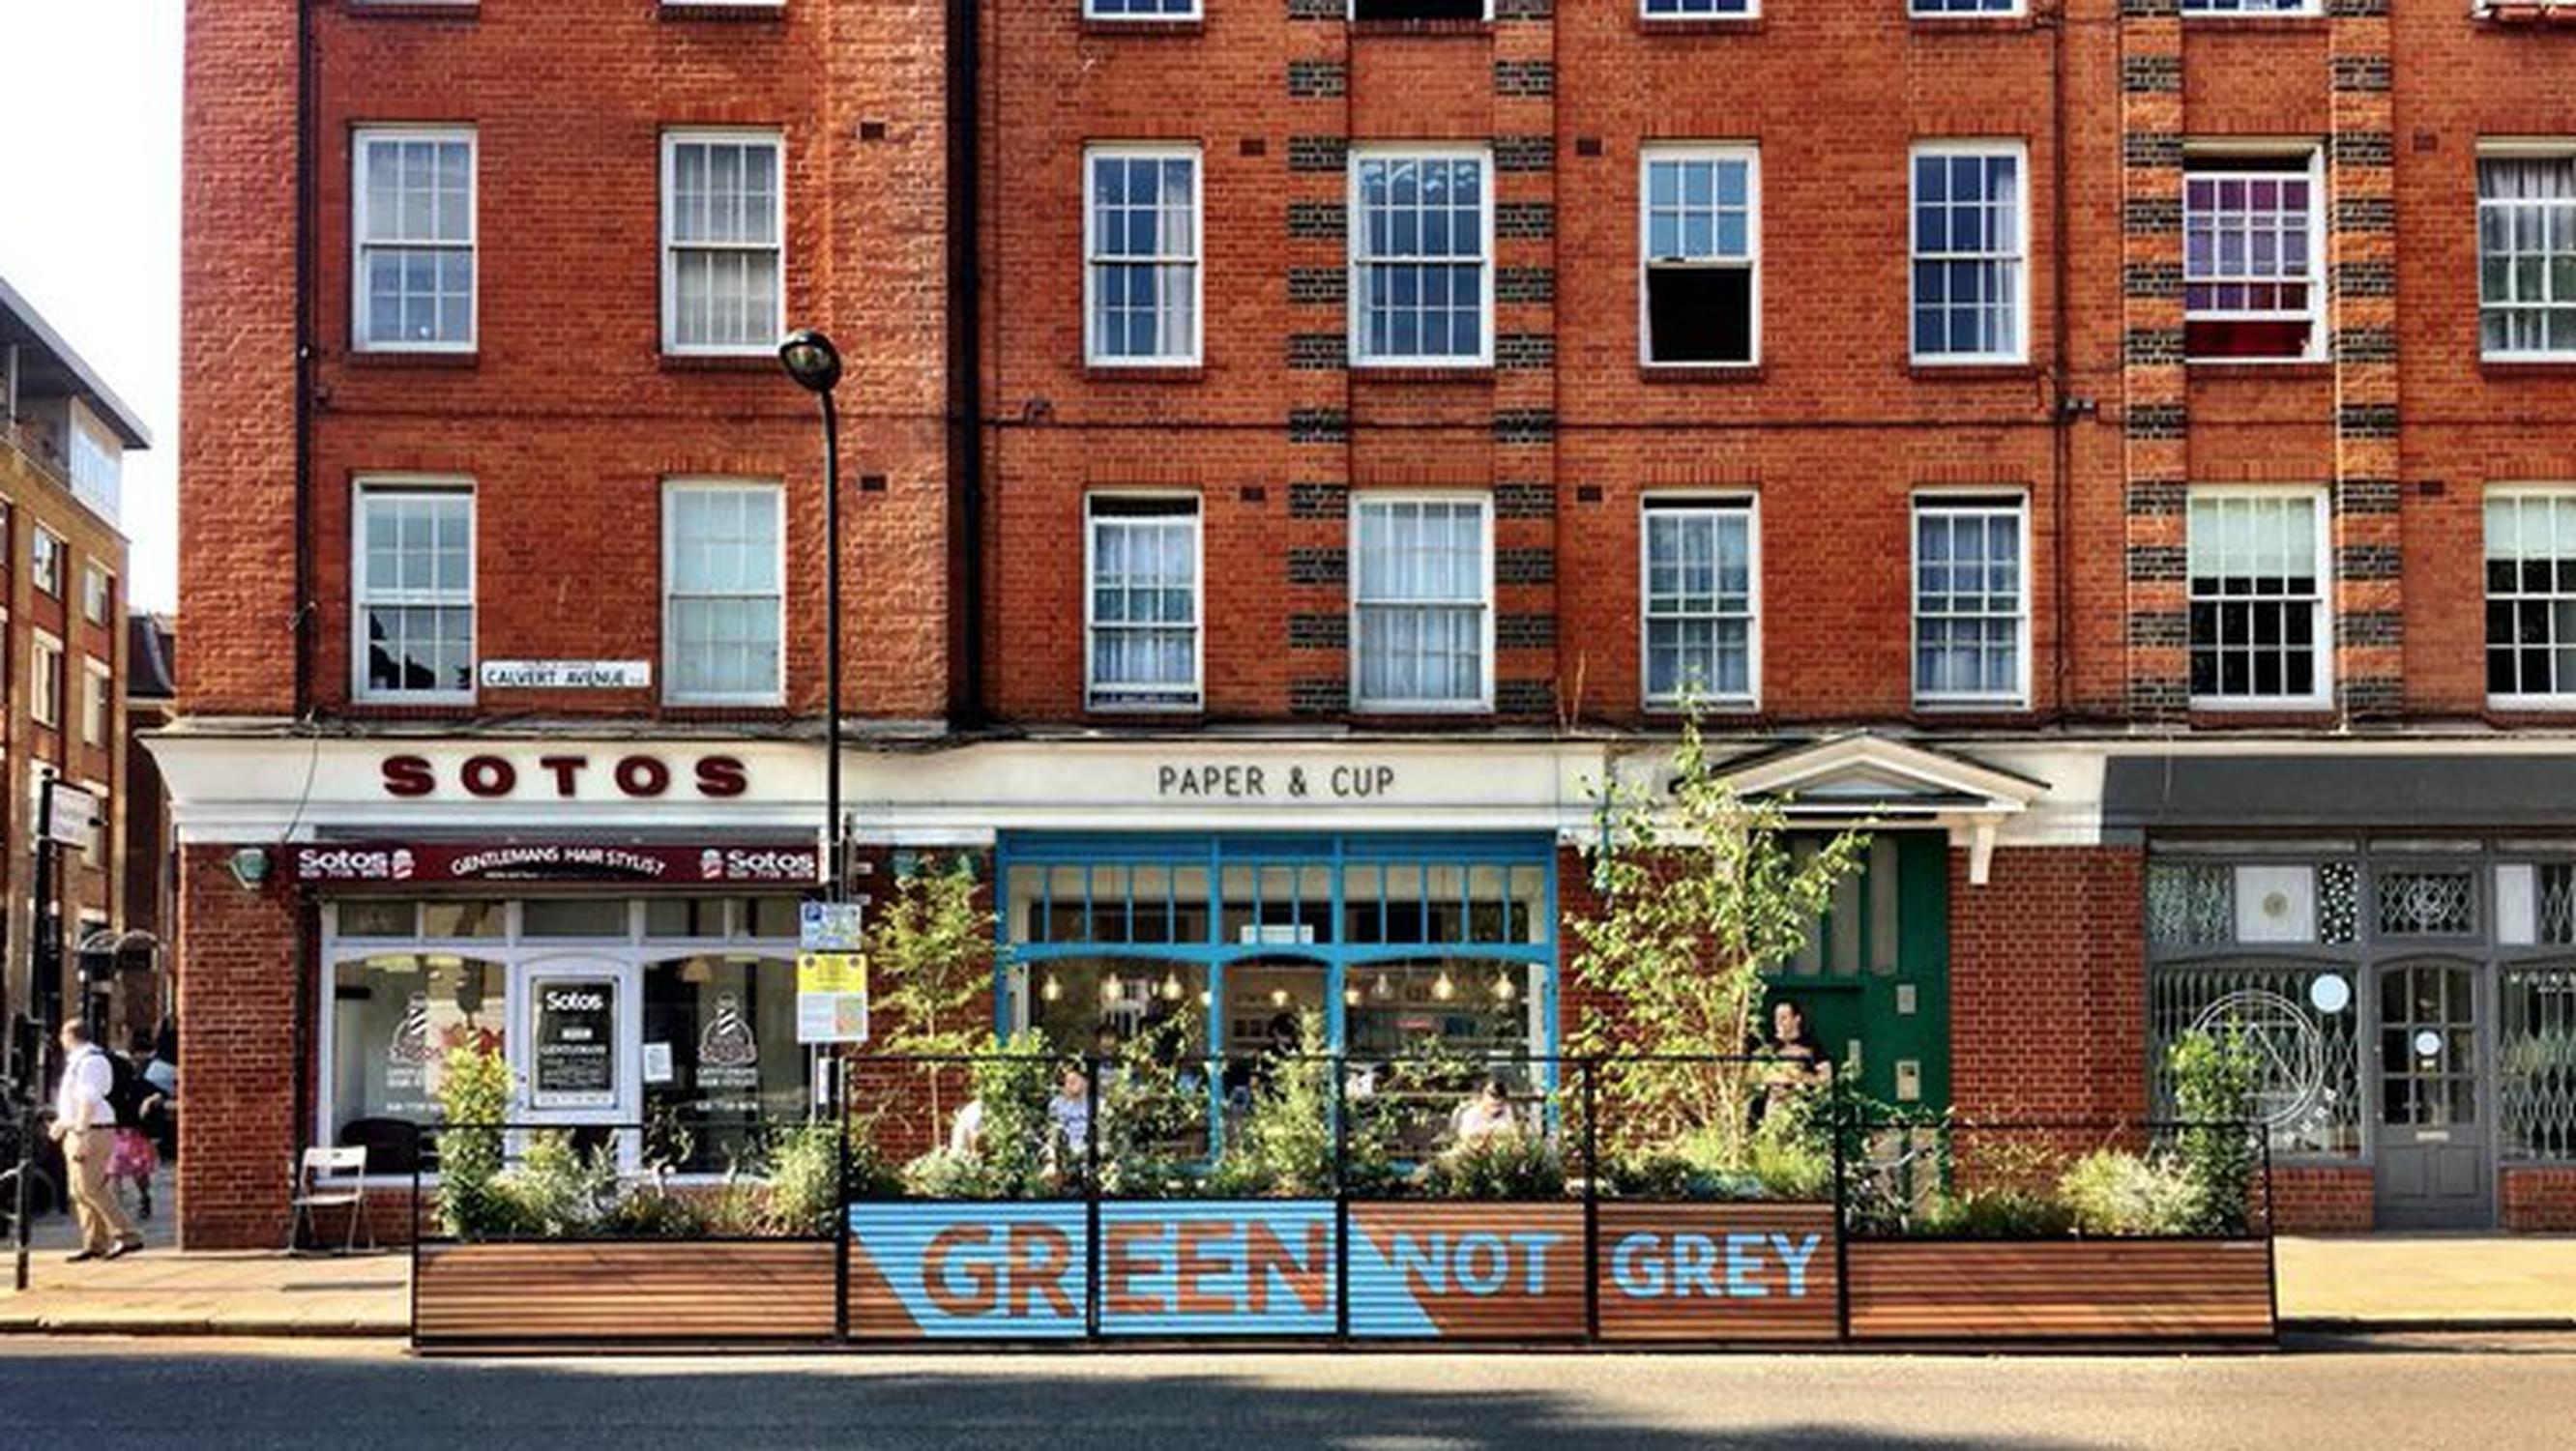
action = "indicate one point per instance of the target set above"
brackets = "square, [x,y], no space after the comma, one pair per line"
[2122,451]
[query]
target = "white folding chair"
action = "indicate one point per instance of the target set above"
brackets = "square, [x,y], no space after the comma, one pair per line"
[311,1193]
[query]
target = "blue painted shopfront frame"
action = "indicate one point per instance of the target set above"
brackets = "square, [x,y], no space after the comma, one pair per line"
[1216,851]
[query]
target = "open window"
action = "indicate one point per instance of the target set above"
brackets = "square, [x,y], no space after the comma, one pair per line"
[1700,221]
[2251,256]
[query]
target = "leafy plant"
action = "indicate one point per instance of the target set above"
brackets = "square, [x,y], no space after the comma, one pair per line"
[653,1211]
[806,1188]
[1700,895]
[931,950]
[474,1092]
[1499,1166]
[944,1173]
[2213,1076]
[558,1188]
[2000,1211]
[2110,1191]
[1153,1116]
[1284,1146]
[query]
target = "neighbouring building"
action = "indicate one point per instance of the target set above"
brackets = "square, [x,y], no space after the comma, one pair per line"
[151,865]
[63,438]
[1299,449]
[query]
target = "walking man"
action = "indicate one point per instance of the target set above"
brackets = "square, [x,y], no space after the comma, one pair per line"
[85,1125]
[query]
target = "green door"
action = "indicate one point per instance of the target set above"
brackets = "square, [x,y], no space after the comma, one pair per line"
[1875,979]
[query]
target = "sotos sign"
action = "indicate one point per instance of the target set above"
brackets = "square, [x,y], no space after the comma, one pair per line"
[1711,1273]
[638,776]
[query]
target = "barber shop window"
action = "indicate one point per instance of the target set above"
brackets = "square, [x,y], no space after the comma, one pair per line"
[1701,221]
[394,1018]
[720,1059]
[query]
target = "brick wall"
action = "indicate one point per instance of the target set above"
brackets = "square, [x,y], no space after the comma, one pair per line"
[2048,1003]
[2321,1200]
[566,416]
[244,1006]
[2539,1201]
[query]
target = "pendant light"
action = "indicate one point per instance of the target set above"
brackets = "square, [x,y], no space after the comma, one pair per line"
[1051,990]
[1442,988]
[1503,986]
[1171,986]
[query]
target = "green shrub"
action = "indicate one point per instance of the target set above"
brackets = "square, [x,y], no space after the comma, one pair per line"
[1498,1166]
[651,1211]
[1999,1212]
[804,1173]
[945,1174]
[1018,1156]
[473,1101]
[2116,1193]
[558,1189]
[1284,1146]
[2213,1077]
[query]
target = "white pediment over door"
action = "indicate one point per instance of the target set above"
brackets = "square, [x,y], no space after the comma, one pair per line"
[1859,778]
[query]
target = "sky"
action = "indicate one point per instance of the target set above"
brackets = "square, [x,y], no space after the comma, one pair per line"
[89,223]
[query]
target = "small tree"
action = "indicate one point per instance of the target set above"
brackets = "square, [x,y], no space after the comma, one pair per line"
[1700,893]
[2214,1075]
[474,1091]
[932,952]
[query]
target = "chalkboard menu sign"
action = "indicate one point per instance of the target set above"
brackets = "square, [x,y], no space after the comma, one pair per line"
[575,1064]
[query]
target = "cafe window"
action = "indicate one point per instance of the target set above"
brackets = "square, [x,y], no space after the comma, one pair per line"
[720,1059]
[394,1019]
[1073,1001]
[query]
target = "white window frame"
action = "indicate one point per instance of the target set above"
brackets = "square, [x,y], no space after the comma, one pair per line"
[2564,698]
[1716,152]
[1361,704]
[1695,502]
[1708,10]
[45,684]
[673,138]
[1091,11]
[2240,10]
[1973,146]
[359,305]
[98,709]
[360,600]
[1092,355]
[672,694]
[2318,206]
[98,594]
[46,553]
[2321,696]
[1195,699]
[1359,264]
[1917,10]
[1967,499]
[2498,149]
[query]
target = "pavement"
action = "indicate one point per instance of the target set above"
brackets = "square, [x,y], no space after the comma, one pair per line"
[2329,1285]
[329,1395]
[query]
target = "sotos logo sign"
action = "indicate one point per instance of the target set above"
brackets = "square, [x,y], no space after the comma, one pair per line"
[571,1001]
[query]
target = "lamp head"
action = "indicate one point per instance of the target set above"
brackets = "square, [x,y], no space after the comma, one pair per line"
[811,360]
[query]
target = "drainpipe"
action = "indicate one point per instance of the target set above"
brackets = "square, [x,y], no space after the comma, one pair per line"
[2062,408]
[966,367]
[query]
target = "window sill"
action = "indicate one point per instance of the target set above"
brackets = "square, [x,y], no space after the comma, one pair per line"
[465,361]
[1925,372]
[1452,28]
[1953,713]
[1700,373]
[2258,368]
[1737,712]
[718,363]
[2507,368]
[768,10]
[1151,25]
[1144,373]
[2314,22]
[1421,373]
[414,9]
[1699,25]
[1986,24]
[2251,714]
[445,709]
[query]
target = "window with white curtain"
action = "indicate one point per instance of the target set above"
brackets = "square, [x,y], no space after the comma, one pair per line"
[1969,248]
[2527,256]
[1141,230]
[1970,600]
[1422,603]
[722,593]
[1698,607]
[2531,595]
[723,260]
[413,591]
[1421,246]
[1143,601]
[2258,604]
[413,220]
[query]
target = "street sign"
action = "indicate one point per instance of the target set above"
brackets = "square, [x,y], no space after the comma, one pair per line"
[828,927]
[72,815]
[831,997]
[567,674]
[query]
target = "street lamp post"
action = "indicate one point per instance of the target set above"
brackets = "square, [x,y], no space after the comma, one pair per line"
[815,364]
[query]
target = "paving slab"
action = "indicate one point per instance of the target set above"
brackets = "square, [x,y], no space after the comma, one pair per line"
[2427,1281]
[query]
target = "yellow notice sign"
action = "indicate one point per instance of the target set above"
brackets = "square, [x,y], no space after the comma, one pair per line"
[831,997]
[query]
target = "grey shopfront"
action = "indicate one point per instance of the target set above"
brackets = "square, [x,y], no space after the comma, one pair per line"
[2396,936]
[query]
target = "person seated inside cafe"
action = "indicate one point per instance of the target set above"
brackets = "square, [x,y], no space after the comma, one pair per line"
[1487,1114]
[1070,1110]
[1794,1062]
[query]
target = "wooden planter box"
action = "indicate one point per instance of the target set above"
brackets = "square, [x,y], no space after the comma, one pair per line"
[2072,1289]
[640,1290]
